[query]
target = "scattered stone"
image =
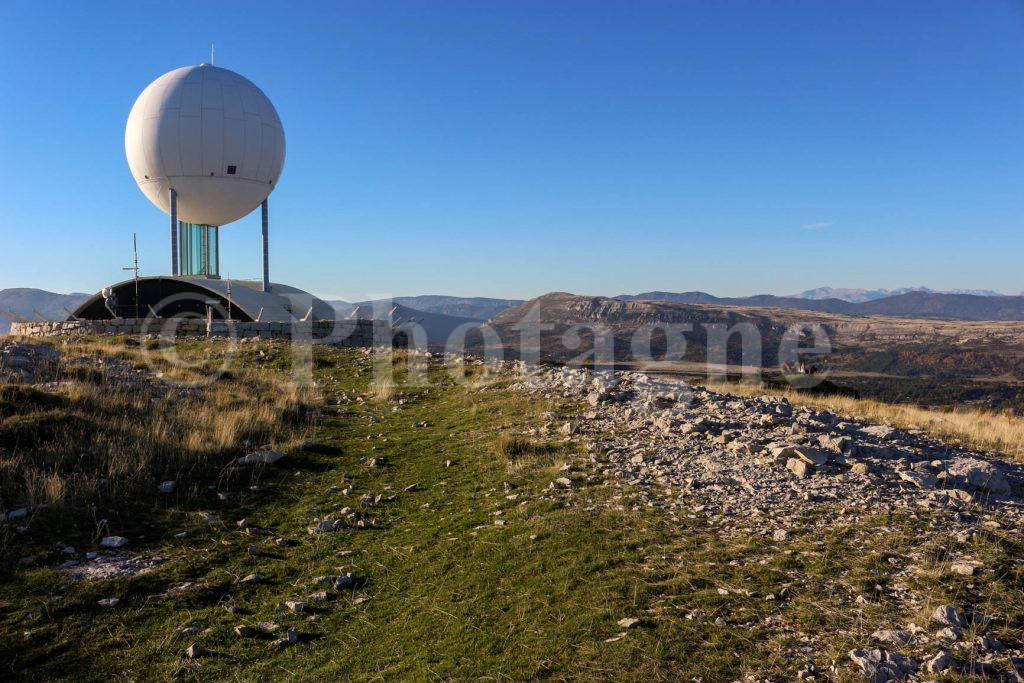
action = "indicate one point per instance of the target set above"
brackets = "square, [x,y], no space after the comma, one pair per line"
[812,456]
[193,652]
[112,565]
[251,578]
[261,457]
[893,638]
[939,663]
[629,622]
[108,602]
[979,475]
[295,605]
[243,631]
[113,541]
[882,666]
[882,432]
[963,568]
[947,615]
[799,467]
[166,487]
[918,479]
[17,513]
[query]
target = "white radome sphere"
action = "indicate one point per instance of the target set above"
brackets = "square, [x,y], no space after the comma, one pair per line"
[189,129]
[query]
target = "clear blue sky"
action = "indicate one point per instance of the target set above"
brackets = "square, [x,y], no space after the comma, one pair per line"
[514,148]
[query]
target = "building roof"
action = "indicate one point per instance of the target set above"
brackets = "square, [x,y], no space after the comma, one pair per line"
[247,299]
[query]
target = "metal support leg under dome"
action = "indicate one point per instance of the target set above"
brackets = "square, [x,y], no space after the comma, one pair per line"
[174,232]
[266,250]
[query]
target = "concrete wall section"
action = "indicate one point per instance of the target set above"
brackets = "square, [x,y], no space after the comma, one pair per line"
[360,333]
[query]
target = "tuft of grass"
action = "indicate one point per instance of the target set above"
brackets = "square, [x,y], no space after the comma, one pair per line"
[514,447]
[384,390]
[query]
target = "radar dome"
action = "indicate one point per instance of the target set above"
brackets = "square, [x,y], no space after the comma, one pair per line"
[212,136]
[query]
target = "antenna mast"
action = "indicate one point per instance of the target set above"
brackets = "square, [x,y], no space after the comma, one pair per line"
[135,267]
[211,54]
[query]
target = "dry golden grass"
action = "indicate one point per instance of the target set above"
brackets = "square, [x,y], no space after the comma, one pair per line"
[103,434]
[383,390]
[980,429]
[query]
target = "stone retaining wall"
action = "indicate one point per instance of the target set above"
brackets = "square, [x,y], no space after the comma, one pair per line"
[339,332]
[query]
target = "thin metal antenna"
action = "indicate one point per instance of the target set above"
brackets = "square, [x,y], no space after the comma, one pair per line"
[211,54]
[135,267]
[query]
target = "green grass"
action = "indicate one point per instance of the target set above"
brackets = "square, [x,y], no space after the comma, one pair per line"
[453,595]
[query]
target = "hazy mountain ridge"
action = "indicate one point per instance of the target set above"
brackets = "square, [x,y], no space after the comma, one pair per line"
[913,304]
[26,303]
[472,307]
[477,307]
[438,326]
[854,295]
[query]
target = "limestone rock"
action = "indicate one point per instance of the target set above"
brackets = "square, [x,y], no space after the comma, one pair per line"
[882,666]
[800,468]
[264,457]
[979,475]
[947,615]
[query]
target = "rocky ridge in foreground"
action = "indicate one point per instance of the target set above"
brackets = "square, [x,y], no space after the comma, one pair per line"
[758,466]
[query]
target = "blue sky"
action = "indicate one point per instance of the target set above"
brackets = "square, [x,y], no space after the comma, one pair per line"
[514,148]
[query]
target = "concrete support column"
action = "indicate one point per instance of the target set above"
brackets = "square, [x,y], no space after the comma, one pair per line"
[266,251]
[174,232]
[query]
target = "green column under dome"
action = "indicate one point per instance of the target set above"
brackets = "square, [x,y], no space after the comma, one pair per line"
[198,249]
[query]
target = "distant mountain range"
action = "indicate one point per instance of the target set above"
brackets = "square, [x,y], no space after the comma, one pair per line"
[437,326]
[861,295]
[476,307]
[440,314]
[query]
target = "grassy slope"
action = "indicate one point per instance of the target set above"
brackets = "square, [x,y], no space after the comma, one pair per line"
[452,594]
